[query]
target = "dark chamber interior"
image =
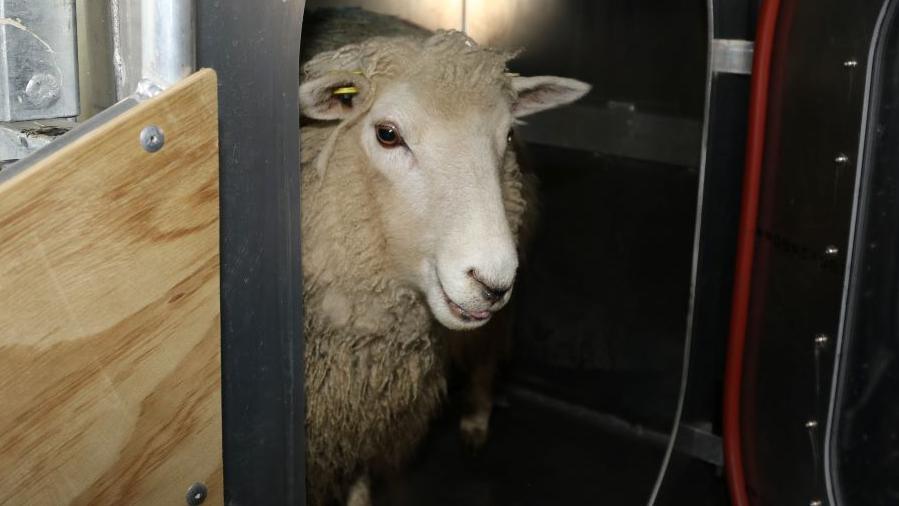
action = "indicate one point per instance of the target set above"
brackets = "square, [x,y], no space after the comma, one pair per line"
[587,399]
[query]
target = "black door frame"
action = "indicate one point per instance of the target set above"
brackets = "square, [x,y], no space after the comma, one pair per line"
[254,47]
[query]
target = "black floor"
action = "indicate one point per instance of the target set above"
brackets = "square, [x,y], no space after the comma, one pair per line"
[536,456]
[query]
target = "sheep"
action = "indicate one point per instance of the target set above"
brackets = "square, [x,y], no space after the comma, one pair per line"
[412,201]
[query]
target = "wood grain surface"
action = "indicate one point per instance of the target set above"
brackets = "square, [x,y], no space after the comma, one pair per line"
[109,313]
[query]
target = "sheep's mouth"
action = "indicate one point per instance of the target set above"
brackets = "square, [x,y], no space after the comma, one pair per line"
[461,313]
[466,316]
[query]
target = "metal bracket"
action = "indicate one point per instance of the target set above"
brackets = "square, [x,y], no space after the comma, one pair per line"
[38,67]
[732,56]
[701,443]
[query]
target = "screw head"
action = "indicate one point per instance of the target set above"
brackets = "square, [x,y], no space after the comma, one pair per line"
[152,138]
[811,424]
[831,250]
[42,90]
[815,502]
[841,159]
[196,494]
[821,339]
[850,63]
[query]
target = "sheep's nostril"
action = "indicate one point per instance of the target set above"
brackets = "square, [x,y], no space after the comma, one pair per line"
[490,293]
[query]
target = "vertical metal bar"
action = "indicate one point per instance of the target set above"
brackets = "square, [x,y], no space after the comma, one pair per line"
[126,45]
[717,214]
[168,40]
[96,76]
[697,229]
[463,25]
[254,47]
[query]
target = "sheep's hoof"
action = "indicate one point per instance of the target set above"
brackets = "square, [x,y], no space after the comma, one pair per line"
[474,430]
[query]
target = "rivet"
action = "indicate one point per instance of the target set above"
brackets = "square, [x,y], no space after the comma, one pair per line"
[850,63]
[841,159]
[152,138]
[831,250]
[811,424]
[196,494]
[42,90]
[821,339]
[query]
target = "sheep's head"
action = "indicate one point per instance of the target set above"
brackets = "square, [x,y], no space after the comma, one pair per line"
[433,118]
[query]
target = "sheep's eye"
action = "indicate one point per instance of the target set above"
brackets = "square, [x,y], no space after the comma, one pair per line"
[388,135]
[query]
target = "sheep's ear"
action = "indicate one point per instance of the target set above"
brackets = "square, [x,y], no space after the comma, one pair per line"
[539,93]
[333,95]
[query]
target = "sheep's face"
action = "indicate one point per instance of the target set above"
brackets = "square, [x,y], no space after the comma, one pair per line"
[436,149]
[441,199]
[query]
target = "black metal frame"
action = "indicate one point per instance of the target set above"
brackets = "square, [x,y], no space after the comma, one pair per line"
[254,47]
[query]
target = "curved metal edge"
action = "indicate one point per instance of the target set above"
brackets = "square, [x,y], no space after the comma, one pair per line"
[697,231]
[82,129]
[846,315]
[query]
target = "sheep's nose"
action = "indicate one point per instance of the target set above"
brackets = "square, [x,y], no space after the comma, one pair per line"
[490,293]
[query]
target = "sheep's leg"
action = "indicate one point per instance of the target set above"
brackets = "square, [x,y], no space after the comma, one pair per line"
[360,492]
[475,423]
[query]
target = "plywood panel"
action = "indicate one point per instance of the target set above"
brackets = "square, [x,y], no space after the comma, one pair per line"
[109,313]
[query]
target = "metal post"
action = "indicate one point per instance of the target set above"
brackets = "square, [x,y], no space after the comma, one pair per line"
[168,43]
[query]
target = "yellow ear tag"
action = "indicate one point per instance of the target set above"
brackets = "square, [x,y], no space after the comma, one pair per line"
[346,93]
[346,90]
